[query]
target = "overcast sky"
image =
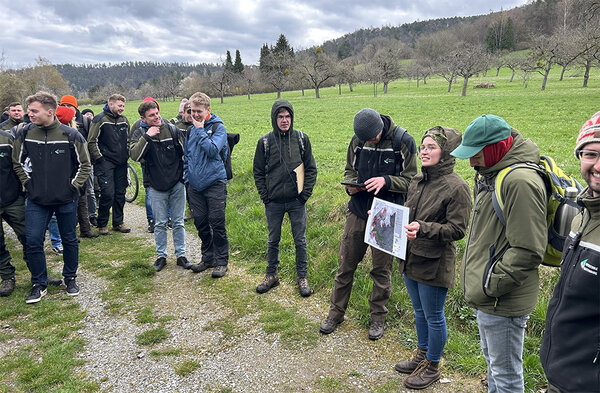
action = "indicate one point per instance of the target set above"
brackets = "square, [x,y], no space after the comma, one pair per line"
[72,31]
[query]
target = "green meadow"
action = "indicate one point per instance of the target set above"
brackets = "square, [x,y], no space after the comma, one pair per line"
[552,118]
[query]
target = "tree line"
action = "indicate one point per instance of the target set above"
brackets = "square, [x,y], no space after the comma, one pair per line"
[533,38]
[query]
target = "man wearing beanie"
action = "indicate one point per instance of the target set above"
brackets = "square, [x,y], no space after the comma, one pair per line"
[381,161]
[499,271]
[108,144]
[570,352]
[15,116]
[282,187]
[52,163]
[83,126]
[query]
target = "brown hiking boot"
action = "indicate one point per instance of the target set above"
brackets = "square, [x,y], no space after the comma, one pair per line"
[425,374]
[376,330]
[303,287]
[330,324]
[121,228]
[408,366]
[7,286]
[103,231]
[267,283]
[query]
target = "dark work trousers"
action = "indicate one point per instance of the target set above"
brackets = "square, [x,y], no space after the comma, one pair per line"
[82,213]
[208,209]
[37,218]
[296,211]
[14,215]
[112,180]
[352,251]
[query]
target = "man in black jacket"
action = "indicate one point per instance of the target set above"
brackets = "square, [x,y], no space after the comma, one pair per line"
[160,144]
[15,116]
[380,162]
[108,144]
[285,173]
[52,163]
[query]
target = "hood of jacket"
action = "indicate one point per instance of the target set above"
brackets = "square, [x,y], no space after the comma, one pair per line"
[277,106]
[451,140]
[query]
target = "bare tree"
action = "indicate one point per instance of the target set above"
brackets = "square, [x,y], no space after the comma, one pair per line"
[527,65]
[371,74]
[317,68]
[512,61]
[277,70]
[168,85]
[250,76]
[387,60]
[546,50]
[588,43]
[220,81]
[470,60]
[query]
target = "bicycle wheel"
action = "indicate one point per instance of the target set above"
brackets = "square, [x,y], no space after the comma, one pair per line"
[133,185]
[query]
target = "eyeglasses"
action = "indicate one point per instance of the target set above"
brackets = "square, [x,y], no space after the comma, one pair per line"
[429,148]
[588,156]
[188,111]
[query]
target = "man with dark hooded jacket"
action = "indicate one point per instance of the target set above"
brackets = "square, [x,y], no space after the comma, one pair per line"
[15,116]
[108,145]
[285,173]
[570,352]
[499,271]
[378,170]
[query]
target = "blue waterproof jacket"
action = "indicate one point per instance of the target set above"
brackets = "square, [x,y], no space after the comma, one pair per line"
[204,155]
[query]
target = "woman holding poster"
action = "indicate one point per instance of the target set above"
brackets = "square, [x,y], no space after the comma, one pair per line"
[440,203]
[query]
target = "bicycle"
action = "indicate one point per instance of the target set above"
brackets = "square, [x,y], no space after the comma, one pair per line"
[133,184]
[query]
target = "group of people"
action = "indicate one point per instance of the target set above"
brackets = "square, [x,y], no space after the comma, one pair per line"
[46,164]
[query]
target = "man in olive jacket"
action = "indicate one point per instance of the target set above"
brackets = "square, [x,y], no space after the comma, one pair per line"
[377,169]
[499,271]
[284,187]
[52,163]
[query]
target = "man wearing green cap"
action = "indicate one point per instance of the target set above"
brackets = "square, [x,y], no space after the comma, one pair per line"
[499,272]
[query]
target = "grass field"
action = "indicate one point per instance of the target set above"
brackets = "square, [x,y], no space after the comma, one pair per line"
[552,118]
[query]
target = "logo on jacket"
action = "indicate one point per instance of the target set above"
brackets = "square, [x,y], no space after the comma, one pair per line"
[388,160]
[59,151]
[2,154]
[589,268]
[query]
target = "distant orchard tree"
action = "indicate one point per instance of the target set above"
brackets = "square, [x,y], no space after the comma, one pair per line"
[276,64]
[317,68]
[388,62]
[470,60]
[11,88]
[250,77]
[545,50]
[44,76]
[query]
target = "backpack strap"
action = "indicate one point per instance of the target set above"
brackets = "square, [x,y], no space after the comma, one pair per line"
[397,143]
[174,132]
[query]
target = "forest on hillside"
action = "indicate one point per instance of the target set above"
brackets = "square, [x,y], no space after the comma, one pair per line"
[532,38]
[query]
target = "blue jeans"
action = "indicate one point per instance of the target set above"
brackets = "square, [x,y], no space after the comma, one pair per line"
[208,208]
[37,218]
[54,233]
[275,212]
[162,202]
[149,215]
[428,303]
[502,345]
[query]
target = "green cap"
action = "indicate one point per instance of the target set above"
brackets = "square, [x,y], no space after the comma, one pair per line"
[483,131]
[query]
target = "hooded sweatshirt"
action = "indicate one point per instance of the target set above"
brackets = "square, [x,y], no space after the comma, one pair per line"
[109,137]
[499,271]
[440,201]
[277,154]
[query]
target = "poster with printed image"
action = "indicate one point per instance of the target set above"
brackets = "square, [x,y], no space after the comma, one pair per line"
[385,227]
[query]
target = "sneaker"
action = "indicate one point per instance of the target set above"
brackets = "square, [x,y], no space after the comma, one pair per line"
[57,250]
[410,365]
[121,228]
[202,266]
[376,330]
[94,221]
[267,283]
[219,271]
[89,234]
[160,263]
[103,231]
[426,373]
[303,287]
[36,294]
[184,263]
[7,286]
[72,288]
[329,325]
[150,226]
[54,281]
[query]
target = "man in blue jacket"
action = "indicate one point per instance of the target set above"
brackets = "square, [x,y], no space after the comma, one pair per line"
[204,173]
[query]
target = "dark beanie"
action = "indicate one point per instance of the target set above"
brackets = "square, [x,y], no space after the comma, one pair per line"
[87,110]
[367,124]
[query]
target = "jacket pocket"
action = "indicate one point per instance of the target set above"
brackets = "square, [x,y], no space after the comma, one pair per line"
[424,259]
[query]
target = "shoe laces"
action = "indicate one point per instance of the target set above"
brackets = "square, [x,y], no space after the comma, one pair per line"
[303,282]
[421,367]
[268,279]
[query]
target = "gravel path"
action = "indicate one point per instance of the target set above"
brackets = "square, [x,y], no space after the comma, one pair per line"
[253,362]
